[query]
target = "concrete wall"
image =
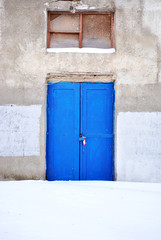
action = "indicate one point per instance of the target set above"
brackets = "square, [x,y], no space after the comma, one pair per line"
[135,66]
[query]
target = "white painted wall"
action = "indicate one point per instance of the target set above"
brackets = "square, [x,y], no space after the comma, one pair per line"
[20,130]
[139,146]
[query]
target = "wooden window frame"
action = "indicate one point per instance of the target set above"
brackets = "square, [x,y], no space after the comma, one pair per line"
[81,13]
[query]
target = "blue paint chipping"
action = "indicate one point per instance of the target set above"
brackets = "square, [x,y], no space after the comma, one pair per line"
[74,109]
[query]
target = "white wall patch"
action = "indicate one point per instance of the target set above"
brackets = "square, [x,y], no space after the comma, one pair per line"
[20,130]
[139,146]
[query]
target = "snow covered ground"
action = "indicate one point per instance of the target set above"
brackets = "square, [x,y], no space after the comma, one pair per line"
[41,210]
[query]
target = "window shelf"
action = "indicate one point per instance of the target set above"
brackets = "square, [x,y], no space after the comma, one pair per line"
[81,50]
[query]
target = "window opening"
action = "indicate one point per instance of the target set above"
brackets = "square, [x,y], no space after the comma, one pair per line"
[81,29]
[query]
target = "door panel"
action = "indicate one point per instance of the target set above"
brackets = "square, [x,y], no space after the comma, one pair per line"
[63,131]
[97,127]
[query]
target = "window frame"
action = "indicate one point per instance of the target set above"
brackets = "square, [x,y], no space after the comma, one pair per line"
[81,13]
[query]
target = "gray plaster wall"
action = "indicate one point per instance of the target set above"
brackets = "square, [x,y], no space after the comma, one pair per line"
[135,66]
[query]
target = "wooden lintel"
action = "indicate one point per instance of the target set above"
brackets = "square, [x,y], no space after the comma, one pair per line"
[80,77]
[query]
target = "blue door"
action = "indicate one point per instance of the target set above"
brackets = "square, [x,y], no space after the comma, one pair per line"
[80,136]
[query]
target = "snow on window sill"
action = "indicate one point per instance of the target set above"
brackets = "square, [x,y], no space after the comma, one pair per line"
[80,50]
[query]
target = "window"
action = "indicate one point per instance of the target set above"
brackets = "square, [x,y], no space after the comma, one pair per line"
[80,29]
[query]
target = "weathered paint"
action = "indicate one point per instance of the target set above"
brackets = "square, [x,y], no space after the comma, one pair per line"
[20,130]
[139,147]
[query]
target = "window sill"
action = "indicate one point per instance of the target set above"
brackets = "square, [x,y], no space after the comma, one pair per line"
[80,50]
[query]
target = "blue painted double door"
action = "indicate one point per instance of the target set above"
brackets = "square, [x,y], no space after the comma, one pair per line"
[77,112]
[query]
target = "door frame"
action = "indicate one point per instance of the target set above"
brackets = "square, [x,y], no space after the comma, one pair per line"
[83,78]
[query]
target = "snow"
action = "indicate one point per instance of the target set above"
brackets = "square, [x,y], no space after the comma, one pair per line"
[81,50]
[42,210]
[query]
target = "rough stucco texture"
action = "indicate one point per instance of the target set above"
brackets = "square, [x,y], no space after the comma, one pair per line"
[24,63]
